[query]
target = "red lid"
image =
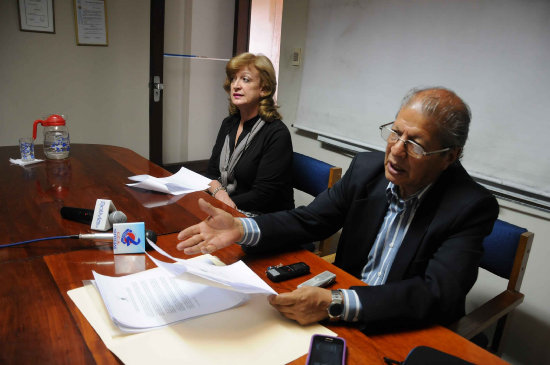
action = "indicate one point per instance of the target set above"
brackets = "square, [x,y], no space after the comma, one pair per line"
[52,120]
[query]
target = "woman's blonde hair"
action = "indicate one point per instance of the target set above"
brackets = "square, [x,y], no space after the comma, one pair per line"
[268,83]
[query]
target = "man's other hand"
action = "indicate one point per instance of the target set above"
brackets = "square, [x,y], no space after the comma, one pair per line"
[218,230]
[305,305]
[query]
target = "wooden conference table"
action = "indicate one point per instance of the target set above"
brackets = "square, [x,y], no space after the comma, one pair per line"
[41,324]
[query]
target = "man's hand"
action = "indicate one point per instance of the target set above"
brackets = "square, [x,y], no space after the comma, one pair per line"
[217,231]
[305,305]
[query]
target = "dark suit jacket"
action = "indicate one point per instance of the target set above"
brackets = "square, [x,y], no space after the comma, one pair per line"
[438,260]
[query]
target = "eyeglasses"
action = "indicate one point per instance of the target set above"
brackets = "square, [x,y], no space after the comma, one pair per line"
[413,149]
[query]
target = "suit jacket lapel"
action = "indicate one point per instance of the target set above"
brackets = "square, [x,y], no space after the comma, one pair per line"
[366,216]
[415,235]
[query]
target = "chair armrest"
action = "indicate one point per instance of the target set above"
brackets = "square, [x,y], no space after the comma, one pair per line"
[481,318]
[329,258]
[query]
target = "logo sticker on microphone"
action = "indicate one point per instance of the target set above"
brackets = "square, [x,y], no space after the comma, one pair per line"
[100,206]
[129,237]
[100,221]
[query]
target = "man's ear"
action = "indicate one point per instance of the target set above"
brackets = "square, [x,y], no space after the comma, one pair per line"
[452,155]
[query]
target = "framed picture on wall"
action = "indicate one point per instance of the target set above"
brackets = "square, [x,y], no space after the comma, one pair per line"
[91,22]
[36,16]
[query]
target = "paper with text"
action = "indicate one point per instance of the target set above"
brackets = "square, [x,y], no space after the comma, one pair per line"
[154,298]
[237,276]
[248,334]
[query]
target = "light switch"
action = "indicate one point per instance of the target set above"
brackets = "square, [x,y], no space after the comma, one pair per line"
[296,57]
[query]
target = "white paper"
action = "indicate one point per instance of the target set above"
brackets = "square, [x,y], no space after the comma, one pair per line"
[20,162]
[237,276]
[184,181]
[90,18]
[153,298]
[249,334]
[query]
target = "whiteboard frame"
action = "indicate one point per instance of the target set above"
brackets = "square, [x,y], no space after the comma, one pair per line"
[500,189]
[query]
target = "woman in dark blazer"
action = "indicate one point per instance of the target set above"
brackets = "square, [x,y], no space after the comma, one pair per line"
[251,162]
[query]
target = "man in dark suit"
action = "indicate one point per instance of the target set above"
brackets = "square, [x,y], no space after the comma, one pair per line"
[412,222]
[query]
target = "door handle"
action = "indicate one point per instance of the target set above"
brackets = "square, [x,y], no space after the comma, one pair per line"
[157,88]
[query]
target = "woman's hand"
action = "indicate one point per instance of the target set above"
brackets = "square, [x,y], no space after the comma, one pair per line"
[305,305]
[217,231]
[222,196]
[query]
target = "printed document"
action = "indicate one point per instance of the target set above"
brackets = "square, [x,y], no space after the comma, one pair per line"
[249,334]
[173,292]
[154,298]
[228,319]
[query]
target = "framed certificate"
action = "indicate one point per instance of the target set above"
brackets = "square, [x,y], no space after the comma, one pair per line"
[90,17]
[36,16]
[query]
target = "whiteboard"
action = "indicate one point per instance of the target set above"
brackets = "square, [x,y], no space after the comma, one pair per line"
[362,56]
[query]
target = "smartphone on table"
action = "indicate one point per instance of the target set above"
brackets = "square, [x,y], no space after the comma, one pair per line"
[326,350]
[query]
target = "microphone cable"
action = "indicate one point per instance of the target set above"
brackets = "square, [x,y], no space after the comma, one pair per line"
[38,240]
[91,236]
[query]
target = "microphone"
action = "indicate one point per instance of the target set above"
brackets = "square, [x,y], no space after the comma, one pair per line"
[92,236]
[86,216]
[110,236]
[117,217]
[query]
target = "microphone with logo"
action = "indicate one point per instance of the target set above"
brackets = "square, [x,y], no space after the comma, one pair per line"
[149,235]
[86,216]
[101,218]
[126,237]
[112,237]
[115,218]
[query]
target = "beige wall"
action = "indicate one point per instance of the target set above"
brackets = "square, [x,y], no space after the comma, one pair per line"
[530,326]
[103,90]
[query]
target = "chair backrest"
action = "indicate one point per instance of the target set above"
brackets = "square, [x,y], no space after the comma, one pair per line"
[313,176]
[506,252]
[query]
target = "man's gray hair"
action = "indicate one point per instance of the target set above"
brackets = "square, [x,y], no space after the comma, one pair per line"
[447,109]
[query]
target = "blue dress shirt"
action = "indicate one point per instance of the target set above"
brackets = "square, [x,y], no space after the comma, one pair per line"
[398,218]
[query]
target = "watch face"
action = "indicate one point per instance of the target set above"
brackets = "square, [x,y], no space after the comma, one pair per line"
[335,309]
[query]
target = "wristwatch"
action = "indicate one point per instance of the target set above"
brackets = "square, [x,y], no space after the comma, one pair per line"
[336,307]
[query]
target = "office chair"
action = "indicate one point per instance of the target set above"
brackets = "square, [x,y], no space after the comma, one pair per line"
[313,176]
[506,253]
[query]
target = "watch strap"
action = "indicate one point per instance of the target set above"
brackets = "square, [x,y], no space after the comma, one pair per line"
[336,306]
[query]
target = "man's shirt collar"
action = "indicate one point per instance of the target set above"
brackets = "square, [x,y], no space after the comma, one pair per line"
[392,192]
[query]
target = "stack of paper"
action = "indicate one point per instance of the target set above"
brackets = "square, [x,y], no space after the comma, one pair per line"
[176,291]
[249,331]
[184,181]
[152,299]
[249,334]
